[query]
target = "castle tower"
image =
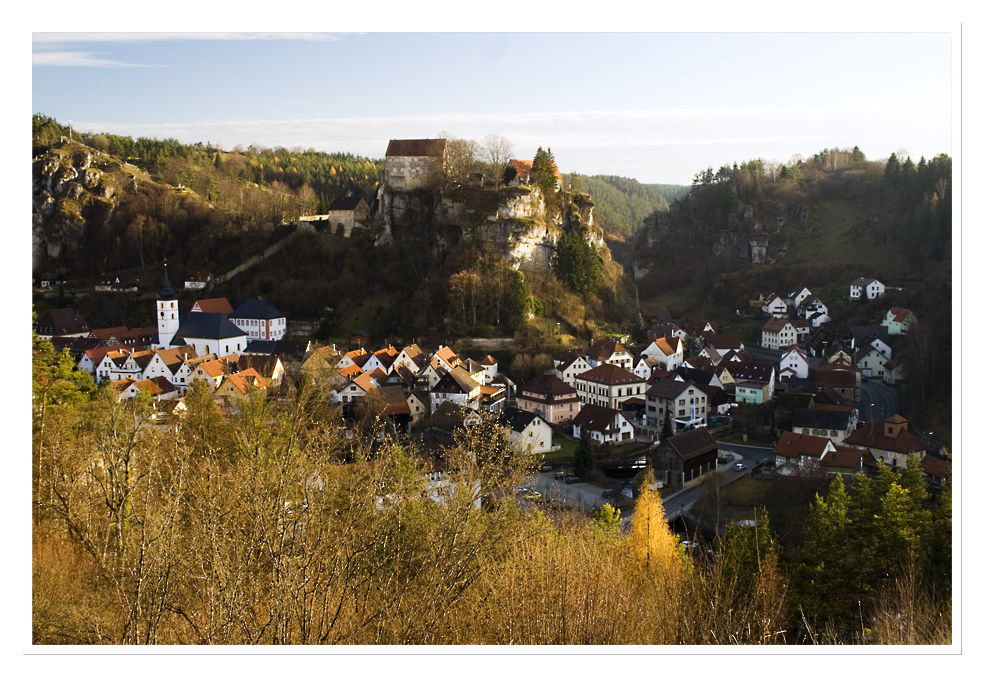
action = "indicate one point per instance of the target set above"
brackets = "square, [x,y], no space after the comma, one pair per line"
[167,313]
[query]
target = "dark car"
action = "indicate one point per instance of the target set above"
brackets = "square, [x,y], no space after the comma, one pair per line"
[570,480]
[606,493]
[559,475]
[545,468]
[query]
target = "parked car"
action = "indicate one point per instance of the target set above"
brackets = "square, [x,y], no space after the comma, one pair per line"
[570,480]
[559,475]
[740,467]
[545,468]
[606,493]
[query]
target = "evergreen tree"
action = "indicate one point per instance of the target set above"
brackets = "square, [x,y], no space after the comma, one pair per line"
[577,263]
[543,171]
[584,454]
[517,303]
[668,427]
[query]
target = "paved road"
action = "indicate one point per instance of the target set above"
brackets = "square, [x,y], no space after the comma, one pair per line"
[879,401]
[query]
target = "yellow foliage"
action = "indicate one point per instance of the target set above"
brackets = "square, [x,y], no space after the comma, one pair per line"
[651,542]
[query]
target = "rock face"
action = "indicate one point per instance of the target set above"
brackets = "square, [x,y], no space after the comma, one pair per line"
[515,220]
[67,184]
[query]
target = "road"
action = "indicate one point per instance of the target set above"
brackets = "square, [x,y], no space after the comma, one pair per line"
[587,497]
[879,401]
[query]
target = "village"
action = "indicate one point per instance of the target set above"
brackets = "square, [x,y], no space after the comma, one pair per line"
[663,403]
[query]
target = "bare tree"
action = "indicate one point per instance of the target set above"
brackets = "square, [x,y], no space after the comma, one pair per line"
[496,151]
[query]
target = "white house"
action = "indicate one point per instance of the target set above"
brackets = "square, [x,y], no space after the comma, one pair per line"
[604,425]
[527,430]
[259,320]
[778,333]
[774,306]
[866,288]
[669,353]
[794,363]
[608,385]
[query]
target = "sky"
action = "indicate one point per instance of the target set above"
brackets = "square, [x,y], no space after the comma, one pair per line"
[654,106]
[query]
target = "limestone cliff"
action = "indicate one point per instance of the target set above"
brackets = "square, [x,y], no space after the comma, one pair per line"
[74,185]
[523,225]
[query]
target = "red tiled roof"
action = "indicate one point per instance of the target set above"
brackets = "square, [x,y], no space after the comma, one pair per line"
[217,305]
[794,445]
[610,375]
[416,147]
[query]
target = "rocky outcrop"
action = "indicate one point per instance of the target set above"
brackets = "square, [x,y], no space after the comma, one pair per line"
[68,186]
[516,220]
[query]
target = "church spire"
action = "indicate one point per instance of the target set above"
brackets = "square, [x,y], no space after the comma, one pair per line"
[167,292]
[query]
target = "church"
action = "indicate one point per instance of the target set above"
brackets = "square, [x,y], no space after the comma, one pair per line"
[206,332]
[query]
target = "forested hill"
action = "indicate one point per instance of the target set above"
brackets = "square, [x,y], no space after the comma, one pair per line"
[621,204]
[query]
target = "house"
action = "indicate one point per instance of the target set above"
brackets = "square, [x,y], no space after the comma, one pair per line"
[871,361]
[527,430]
[751,370]
[216,305]
[321,362]
[357,357]
[517,173]
[686,403]
[382,359]
[411,357]
[800,450]
[346,213]
[899,320]
[890,441]
[197,280]
[550,398]
[774,306]
[91,359]
[716,346]
[796,296]
[794,363]
[492,397]
[866,288]
[684,456]
[876,335]
[845,379]
[418,404]
[604,425]
[848,461]
[259,320]
[396,411]
[778,333]
[569,366]
[608,385]
[698,376]
[750,391]
[668,353]
[446,357]
[234,387]
[835,425]
[414,163]
[61,322]
[269,367]
[210,371]
[892,373]
[609,353]
[456,386]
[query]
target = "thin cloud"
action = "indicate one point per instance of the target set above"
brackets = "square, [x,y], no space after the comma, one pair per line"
[69,38]
[88,59]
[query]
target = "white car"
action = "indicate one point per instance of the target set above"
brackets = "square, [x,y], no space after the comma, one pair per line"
[740,467]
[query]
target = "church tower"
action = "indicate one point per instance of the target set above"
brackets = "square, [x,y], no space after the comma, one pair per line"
[167,313]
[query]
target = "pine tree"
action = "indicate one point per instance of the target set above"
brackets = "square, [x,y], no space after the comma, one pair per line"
[584,454]
[668,428]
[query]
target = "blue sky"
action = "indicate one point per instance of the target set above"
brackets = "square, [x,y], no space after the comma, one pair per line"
[657,107]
